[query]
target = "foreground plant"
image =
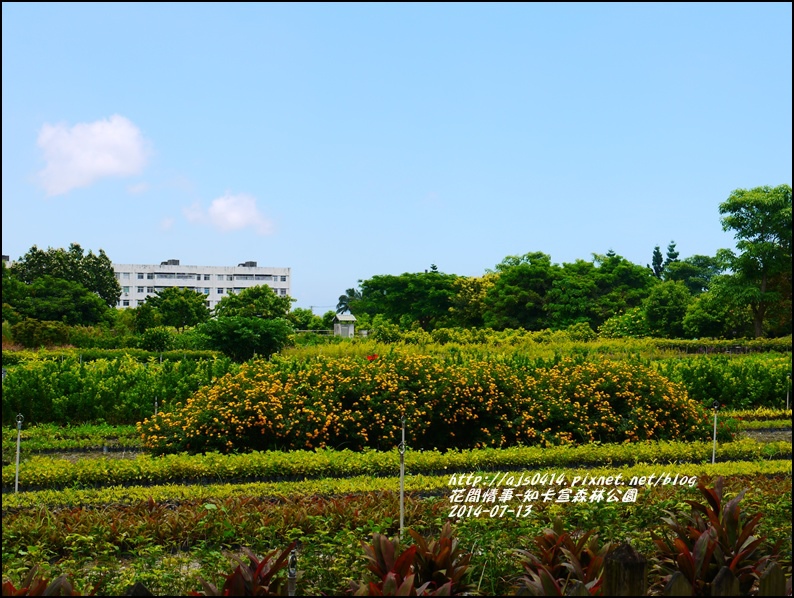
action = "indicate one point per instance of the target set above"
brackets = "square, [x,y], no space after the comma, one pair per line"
[434,568]
[33,585]
[254,578]
[562,563]
[713,537]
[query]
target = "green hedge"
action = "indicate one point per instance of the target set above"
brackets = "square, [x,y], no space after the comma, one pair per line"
[18,357]
[118,391]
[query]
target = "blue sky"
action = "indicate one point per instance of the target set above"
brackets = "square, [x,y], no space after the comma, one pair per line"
[349,140]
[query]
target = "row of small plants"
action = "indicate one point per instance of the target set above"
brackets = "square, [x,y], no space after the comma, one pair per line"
[51,438]
[416,482]
[11,358]
[358,403]
[118,391]
[474,555]
[40,472]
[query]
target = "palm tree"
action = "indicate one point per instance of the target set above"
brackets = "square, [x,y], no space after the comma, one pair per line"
[347,300]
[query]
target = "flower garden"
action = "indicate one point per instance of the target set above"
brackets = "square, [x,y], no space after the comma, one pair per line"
[301,452]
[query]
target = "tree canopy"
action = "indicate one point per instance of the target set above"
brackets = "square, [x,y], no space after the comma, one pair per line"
[180,307]
[254,302]
[761,269]
[92,271]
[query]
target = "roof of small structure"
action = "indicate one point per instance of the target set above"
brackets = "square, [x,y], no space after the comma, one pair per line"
[344,318]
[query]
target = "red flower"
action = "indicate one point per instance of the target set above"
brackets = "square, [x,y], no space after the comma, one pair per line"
[372,357]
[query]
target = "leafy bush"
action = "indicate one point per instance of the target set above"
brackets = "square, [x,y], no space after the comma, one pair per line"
[157,339]
[358,402]
[40,333]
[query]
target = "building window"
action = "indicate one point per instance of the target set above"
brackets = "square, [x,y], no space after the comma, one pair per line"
[117,275]
[206,291]
[126,303]
[125,289]
[220,291]
[206,277]
[125,275]
[140,275]
[282,291]
[150,276]
[140,289]
[283,279]
[220,276]
[229,277]
[150,289]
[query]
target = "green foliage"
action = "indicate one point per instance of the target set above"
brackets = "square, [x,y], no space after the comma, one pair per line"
[50,298]
[631,324]
[761,221]
[665,308]
[304,319]
[736,382]
[517,297]
[253,578]
[180,307]
[713,315]
[120,391]
[241,338]
[696,272]
[562,563]
[715,536]
[157,339]
[93,272]
[354,402]
[35,333]
[424,298]
[254,302]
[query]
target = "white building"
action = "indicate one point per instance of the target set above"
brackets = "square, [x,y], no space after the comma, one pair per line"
[139,281]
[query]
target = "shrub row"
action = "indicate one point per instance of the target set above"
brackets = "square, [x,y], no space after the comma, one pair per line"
[20,357]
[118,391]
[48,472]
[358,403]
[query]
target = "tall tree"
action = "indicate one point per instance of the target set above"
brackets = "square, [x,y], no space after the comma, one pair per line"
[254,302]
[424,297]
[672,255]
[518,297]
[696,272]
[657,262]
[347,301]
[761,221]
[665,308]
[93,271]
[180,307]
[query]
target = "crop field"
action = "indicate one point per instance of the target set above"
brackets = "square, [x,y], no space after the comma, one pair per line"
[517,449]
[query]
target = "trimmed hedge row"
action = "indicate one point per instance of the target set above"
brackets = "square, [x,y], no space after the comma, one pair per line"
[48,472]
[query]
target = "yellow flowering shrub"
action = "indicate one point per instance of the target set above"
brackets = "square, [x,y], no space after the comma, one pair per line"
[354,403]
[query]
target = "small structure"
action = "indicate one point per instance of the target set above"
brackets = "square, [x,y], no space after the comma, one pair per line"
[344,325]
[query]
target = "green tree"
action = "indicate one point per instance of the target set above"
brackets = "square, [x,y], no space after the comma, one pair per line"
[665,309]
[424,298]
[657,262]
[180,307]
[347,301]
[572,297]
[304,319]
[260,301]
[672,255]
[517,298]
[240,338]
[695,272]
[58,299]
[714,315]
[761,270]
[620,286]
[468,303]
[92,271]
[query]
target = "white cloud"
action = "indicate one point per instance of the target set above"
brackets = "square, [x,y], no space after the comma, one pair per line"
[166,224]
[229,213]
[78,156]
